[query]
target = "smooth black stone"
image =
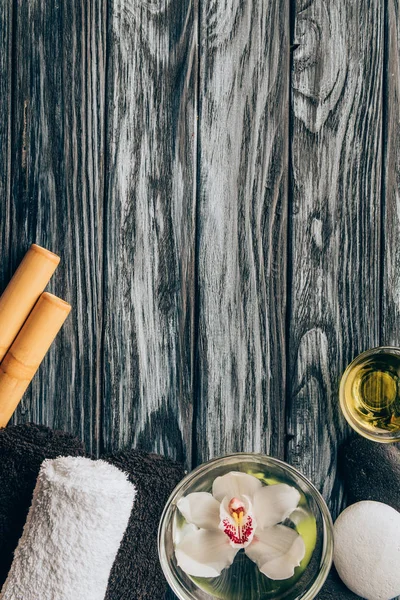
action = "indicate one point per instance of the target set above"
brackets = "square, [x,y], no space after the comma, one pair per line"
[371,471]
[22,450]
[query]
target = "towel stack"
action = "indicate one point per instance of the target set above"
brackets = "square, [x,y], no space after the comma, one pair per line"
[23,448]
[79,513]
[81,507]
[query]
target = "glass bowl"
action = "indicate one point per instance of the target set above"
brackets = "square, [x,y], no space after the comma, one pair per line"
[242,580]
[370,394]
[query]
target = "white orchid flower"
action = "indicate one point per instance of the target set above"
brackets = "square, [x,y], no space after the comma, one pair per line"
[240,513]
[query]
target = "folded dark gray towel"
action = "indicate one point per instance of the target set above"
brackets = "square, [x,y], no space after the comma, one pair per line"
[23,448]
[136,573]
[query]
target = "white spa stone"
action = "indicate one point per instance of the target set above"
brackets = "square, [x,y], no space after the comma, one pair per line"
[367,550]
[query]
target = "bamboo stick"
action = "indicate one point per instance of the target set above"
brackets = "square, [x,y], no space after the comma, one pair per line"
[23,291]
[28,350]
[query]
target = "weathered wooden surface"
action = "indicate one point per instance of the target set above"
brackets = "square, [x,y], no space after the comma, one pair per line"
[335,221]
[149,226]
[6,14]
[242,224]
[390,251]
[390,321]
[57,195]
[227,219]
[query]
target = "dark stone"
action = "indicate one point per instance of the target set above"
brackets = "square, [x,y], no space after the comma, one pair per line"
[371,471]
[22,450]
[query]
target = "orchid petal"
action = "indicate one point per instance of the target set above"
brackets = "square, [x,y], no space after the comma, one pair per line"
[201,509]
[277,551]
[235,485]
[204,553]
[273,504]
[181,532]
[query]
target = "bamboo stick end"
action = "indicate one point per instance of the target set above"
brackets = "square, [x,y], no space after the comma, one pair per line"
[55,300]
[49,255]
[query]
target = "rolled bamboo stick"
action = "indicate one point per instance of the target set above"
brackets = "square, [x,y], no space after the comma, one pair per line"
[23,291]
[28,350]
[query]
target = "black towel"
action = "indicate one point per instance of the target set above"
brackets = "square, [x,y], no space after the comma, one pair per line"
[136,573]
[22,450]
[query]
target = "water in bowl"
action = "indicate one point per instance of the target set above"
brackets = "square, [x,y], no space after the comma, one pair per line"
[243,580]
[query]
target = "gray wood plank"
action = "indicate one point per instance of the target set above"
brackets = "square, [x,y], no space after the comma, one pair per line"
[335,221]
[390,328]
[243,154]
[58,189]
[6,16]
[150,226]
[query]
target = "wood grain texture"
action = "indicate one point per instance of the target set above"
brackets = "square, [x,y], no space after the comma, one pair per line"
[57,190]
[390,322]
[6,18]
[335,221]
[175,114]
[149,279]
[242,222]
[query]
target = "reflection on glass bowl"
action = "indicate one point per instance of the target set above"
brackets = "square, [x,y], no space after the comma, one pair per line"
[243,580]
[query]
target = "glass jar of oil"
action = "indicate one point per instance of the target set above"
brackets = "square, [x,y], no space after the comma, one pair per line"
[370,394]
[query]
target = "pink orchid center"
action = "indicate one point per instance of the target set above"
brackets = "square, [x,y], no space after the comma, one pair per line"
[239,527]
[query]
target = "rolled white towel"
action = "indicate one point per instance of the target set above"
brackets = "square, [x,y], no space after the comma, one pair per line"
[79,512]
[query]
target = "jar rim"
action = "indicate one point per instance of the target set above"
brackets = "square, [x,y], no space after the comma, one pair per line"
[388,438]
